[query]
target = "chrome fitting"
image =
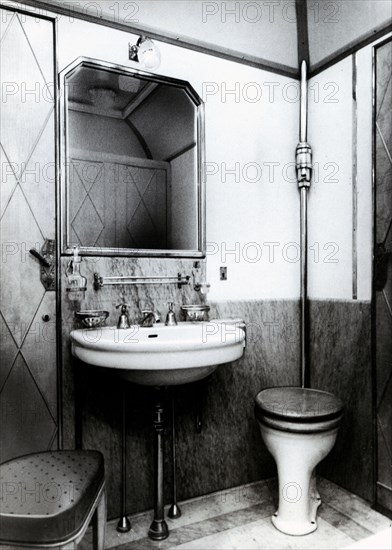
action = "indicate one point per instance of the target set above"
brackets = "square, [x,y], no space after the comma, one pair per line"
[303,161]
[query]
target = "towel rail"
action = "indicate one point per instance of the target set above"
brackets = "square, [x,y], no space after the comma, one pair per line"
[180,280]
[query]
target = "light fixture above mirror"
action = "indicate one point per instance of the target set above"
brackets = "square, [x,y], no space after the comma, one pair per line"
[145,52]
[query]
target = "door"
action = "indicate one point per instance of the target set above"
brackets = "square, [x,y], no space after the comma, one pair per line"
[28,368]
[383,270]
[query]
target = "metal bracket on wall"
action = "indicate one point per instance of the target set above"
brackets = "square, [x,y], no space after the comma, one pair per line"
[47,259]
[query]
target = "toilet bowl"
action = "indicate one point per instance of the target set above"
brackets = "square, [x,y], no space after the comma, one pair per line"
[299,427]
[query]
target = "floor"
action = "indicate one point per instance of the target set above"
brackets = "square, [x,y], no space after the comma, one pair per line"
[239,518]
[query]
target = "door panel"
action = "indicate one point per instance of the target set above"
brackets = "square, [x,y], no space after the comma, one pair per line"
[28,369]
[383,271]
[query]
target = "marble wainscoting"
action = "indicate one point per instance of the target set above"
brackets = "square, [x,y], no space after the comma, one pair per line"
[98,391]
[229,450]
[340,355]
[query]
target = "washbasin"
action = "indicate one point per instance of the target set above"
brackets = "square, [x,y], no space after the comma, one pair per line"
[161,355]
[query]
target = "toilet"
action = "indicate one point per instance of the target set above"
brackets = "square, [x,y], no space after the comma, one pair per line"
[299,427]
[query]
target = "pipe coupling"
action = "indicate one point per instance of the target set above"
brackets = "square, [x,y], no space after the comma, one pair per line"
[303,161]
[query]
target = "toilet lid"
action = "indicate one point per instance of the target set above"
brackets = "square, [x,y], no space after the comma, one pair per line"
[298,404]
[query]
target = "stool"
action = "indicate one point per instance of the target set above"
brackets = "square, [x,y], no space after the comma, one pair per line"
[48,499]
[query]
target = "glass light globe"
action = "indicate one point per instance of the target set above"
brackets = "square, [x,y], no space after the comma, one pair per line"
[148,54]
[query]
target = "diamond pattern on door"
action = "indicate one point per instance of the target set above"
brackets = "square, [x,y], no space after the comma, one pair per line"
[24,109]
[27,419]
[9,350]
[28,369]
[8,181]
[37,32]
[21,287]
[147,193]
[39,180]
[39,350]
[85,221]
[6,18]
[125,205]
[383,298]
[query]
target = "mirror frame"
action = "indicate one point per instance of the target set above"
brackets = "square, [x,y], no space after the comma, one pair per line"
[63,145]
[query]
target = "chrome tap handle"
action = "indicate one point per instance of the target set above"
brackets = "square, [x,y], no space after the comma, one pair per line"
[39,257]
[122,304]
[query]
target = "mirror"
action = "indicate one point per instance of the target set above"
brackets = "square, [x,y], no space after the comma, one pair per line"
[132,149]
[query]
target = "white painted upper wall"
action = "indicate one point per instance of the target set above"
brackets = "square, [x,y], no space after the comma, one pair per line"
[251,134]
[263,30]
[334,25]
[331,193]
[252,196]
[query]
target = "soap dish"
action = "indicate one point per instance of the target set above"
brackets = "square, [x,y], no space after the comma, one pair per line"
[195,312]
[92,317]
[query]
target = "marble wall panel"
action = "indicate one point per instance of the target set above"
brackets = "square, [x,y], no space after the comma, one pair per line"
[229,450]
[340,356]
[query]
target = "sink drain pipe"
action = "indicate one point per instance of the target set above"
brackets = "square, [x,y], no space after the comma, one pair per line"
[304,176]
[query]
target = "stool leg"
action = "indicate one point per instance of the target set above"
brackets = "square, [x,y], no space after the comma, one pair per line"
[99,523]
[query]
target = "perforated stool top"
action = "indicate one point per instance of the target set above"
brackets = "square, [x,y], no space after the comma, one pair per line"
[298,404]
[46,497]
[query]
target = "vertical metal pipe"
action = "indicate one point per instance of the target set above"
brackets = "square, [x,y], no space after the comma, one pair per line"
[304,174]
[124,456]
[158,528]
[303,123]
[158,508]
[304,286]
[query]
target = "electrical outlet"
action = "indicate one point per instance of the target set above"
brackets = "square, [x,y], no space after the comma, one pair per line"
[223,273]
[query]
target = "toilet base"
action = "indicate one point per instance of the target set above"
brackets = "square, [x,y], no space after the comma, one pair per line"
[296,456]
[300,528]
[293,527]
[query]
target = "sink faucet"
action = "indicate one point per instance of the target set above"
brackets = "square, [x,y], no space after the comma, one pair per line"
[149,318]
[123,321]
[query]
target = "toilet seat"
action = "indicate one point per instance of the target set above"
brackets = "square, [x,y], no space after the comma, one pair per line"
[294,409]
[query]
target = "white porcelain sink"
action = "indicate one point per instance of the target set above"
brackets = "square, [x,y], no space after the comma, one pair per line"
[161,355]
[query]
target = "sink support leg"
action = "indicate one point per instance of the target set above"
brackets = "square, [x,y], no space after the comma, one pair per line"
[158,528]
[174,511]
[124,525]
